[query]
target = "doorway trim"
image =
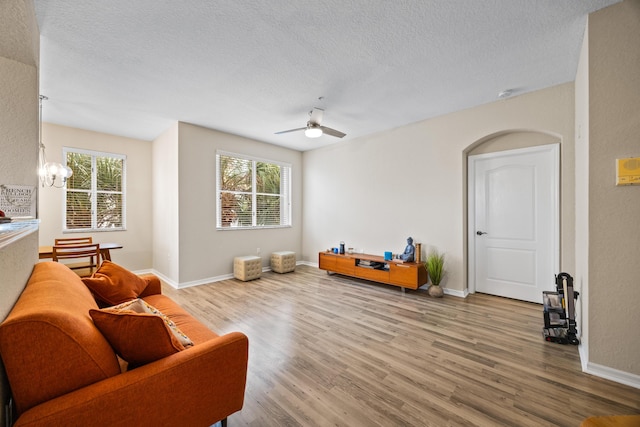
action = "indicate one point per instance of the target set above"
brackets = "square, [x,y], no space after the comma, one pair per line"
[470,223]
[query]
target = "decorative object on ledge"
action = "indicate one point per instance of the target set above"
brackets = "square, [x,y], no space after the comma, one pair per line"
[409,251]
[17,201]
[51,174]
[418,252]
[435,268]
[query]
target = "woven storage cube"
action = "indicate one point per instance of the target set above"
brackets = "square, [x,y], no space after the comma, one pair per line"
[283,262]
[247,267]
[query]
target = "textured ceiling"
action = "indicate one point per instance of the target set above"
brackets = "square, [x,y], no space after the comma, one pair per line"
[253,67]
[17,30]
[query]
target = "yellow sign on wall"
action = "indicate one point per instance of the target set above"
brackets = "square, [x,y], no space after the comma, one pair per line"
[628,171]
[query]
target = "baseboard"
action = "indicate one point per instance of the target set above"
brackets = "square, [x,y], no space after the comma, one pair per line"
[626,378]
[147,271]
[183,285]
[205,281]
[455,293]
[163,278]
[198,282]
[583,352]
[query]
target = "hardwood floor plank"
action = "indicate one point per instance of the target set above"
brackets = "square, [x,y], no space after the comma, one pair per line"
[328,350]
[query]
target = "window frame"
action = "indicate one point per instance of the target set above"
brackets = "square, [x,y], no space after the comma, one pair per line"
[285,192]
[93,192]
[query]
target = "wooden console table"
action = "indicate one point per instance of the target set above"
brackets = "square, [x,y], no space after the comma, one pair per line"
[406,275]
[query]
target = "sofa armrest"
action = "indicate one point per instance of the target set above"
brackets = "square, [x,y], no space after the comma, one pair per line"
[195,387]
[154,287]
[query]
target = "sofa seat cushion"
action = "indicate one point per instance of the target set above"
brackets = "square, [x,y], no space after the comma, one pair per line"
[114,284]
[53,313]
[194,329]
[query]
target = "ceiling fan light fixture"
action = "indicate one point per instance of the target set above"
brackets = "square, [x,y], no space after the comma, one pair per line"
[314,128]
[313,131]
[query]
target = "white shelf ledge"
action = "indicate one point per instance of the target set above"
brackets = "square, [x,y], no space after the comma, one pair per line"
[16,230]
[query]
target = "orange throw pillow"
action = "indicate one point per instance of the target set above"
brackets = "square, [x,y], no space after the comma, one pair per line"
[138,332]
[114,284]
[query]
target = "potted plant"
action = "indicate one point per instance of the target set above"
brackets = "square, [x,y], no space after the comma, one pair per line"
[435,269]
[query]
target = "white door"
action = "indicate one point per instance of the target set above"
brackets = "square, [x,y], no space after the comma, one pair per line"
[513,222]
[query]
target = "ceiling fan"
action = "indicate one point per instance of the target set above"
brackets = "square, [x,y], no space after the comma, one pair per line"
[314,129]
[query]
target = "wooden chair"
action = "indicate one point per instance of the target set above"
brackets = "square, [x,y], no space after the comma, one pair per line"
[90,251]
[76,241]
[73,241]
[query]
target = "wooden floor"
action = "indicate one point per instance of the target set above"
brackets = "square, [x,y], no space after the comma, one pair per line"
[335,351]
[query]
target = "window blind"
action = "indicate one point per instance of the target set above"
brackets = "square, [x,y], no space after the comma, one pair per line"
[95,193]
[252,193]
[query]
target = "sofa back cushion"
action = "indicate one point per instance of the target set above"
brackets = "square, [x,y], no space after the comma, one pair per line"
[114,284]
[48,343]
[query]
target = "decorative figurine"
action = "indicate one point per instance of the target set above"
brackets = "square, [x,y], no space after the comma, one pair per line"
[409,251]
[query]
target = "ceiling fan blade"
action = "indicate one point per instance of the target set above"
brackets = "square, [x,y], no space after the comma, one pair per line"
[290,130]
[316,115]
[332,132]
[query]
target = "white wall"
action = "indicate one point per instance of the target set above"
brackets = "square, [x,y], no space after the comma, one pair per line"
[19,62]
[204,253]
[614,212]
[376,191]
[136,240]
[165,212]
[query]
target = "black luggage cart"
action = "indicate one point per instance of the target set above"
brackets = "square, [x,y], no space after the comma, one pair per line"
[559,312]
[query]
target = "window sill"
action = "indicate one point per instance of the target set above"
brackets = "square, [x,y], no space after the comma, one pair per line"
[93,230]
[270,227]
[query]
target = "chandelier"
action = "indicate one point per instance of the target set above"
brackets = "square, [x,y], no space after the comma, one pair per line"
[51,174]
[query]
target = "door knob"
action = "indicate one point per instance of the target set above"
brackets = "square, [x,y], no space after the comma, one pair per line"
[480,233]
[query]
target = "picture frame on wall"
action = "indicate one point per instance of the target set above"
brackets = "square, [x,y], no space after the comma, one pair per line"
[18,201]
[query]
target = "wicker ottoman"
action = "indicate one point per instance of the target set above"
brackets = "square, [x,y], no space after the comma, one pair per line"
[247,267]
[283,262]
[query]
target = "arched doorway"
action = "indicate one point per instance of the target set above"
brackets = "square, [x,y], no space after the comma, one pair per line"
[513,214]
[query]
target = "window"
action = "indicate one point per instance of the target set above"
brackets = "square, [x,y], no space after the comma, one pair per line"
[95,193]
[252,193]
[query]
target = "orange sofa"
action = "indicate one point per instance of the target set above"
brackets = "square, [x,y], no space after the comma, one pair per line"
[612,421]
[63,371]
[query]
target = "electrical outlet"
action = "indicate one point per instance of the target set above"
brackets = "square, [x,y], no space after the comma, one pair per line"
[257,250]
